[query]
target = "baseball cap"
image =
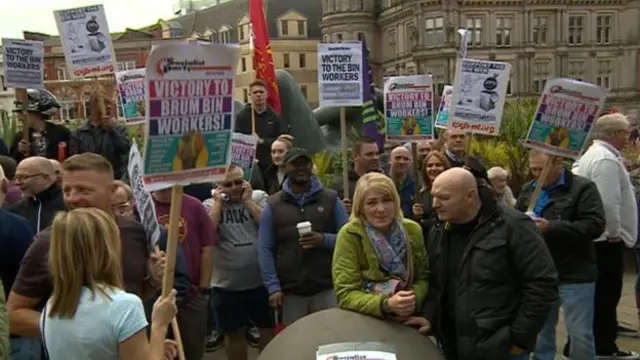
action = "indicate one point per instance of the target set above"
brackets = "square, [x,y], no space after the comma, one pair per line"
[296,153]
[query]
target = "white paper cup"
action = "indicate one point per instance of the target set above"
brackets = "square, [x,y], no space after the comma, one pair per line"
[303,228]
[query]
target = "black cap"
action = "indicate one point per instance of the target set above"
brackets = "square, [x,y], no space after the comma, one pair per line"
[295,153]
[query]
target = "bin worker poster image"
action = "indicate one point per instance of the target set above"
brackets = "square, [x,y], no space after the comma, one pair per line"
[408,108]
[190,111]
[131,89]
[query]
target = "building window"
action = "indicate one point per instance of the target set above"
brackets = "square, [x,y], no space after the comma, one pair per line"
[126,65]
[284,25]
[68,110]
[303,60]
[540,28]
[361,36]
[434,29]
[509,90]
[540,75]
[303,88]
[576,29]
[241,32]
[243,64]
[301,28]
[2,87]
[326,39]
[285,60]
[604,74]
[503,32]
[577,70]
[393,50]
[603,29]
[474,26]
[224,37]
[245,95]
[339,37]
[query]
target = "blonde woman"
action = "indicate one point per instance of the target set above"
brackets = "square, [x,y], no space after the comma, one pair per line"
[379,263]
[274,175]
[89,315]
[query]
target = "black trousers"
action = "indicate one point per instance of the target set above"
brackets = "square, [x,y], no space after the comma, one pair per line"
[609,257]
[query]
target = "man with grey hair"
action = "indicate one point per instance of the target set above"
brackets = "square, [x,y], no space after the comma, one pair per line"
[602,164]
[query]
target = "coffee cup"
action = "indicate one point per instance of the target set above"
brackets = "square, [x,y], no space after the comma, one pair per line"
[303,228]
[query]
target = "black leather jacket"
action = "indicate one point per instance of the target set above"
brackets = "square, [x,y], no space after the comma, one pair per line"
[507,284]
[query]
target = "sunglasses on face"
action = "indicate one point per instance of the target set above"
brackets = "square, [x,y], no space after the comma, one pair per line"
[231,183]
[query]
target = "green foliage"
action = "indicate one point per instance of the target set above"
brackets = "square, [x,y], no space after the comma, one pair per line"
[8,127]
[323,162]
[506,150]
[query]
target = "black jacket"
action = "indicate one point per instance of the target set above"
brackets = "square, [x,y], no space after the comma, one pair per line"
[507,286]
[54,133]
[113,144]
[338,184]
[40,210]
[576,217]
[268,126]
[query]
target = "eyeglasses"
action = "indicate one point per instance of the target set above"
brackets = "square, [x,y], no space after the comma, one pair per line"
[231,183]
[23,177]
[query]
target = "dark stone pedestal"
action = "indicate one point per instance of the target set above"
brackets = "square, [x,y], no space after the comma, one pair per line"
[301,340]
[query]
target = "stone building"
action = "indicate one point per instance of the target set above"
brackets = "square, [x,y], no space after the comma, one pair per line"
[595,41]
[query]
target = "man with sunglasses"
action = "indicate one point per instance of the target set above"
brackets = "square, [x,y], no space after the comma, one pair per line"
[296,264]
[42,195]
[239,298]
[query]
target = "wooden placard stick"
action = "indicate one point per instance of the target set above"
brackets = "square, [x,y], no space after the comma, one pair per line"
[172,248]
[416,171]
[544,174]
[345,160]
[23,99]
[100,98]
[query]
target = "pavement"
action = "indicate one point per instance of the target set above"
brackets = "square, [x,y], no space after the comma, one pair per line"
[627,314]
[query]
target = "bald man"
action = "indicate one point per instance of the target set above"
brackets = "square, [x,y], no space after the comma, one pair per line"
[42,194]
[57,169]
[399,163]
[492,281]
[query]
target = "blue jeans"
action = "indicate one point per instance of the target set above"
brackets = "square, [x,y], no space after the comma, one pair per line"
[25,348]
[578,302]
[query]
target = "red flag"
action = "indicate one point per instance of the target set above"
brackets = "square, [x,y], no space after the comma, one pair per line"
[612,110]
[262,56]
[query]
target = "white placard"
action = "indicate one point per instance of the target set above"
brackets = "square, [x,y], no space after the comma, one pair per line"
[86,41]
[479,93]
[23,64]
[340,74]
[144,202]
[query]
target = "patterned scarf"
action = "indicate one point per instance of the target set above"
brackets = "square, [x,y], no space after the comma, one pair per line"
[391,250]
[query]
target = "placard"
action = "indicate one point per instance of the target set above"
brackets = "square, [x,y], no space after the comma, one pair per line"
[23,62]
[243,153]
[442,119]
[565,116]
[190,113]
[408,107]
[143,201]
[357,351]
[131,89]
[479,93]
[86,41]
[340,74]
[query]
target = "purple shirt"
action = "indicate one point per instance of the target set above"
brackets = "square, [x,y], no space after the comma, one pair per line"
[195,231]
[13,193]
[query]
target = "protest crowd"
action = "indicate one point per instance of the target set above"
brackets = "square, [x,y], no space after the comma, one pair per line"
[108,252]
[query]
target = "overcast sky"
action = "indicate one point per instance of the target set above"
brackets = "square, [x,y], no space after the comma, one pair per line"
[37,15]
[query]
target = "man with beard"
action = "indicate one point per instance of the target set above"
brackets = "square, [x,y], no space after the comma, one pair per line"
[492,280]
[87,182]
[42,196]
[299,287]
[366,158]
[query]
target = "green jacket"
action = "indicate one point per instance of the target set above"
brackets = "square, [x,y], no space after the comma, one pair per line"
[4,326]
[355,259]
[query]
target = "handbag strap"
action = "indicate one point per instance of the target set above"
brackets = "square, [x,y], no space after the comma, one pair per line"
[42,336]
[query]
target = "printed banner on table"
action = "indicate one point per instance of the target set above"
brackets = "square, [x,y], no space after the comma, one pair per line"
[565,116]
[84,34]
[408,107]
[144,202]
[190,113]
[353,351]
[131,90]
[340,74]
[243,152]
[479,93]
[23,64]
[442,119]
